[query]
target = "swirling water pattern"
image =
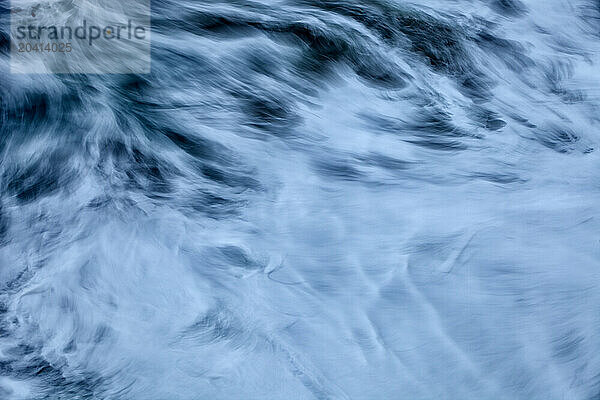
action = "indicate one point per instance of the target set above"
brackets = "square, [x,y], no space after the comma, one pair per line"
[310,199]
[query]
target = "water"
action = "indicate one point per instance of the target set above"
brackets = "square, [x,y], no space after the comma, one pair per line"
[310,199]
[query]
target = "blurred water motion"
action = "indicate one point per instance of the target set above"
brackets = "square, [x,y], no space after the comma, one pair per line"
[309,199]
